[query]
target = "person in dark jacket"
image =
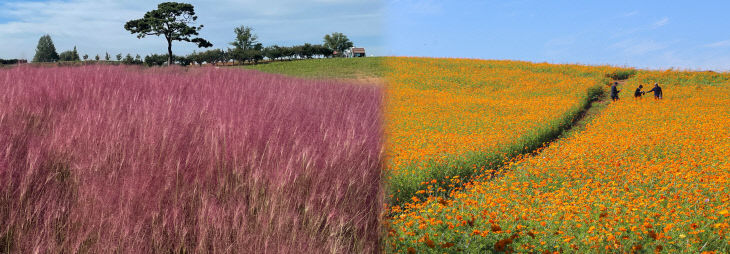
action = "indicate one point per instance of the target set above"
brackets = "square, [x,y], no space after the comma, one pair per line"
[638,93]
[614,91]
[657,91]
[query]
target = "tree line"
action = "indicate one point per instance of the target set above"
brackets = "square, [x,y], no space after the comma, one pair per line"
[11,61]
[176,22]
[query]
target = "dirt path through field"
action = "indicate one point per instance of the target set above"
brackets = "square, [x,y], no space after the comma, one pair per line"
[365,80]
[580,120]
[592,110]
[578,124]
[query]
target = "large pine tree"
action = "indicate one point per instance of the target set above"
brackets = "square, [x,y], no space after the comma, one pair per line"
[173,20]
[45,51]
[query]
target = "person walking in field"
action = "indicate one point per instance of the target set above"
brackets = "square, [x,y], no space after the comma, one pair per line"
[657,91]
[614,91]
[638,93]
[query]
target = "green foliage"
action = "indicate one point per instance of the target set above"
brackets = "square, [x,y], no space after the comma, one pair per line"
[155,60]
[11,61]
[337,42]
[45,51]
[129,60]
[76,55]
[69,55]
[250,55]
[171,20]
[306,51]
[66,56]
[245,39]
[210,56]
[622,74]
[159,60]
[273,52]
[678,78]
[119,57]
[107,57]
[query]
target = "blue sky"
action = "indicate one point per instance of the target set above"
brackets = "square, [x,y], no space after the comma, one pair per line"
[644,34]
[97,26]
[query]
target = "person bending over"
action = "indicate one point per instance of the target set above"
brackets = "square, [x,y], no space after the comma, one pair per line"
[638,93]
[614,91]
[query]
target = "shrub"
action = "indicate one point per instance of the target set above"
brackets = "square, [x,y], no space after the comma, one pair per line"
[622,74]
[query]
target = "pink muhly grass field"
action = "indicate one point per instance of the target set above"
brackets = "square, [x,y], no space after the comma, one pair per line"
[118,159]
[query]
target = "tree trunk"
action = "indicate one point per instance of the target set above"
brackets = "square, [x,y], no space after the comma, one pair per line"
[169,52]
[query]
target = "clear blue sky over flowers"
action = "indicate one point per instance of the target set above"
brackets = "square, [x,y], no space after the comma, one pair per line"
[97,26]
[644,34]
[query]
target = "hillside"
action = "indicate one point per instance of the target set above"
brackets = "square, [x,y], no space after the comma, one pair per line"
[338,68]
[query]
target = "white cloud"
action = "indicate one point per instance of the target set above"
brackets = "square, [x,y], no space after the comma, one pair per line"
[718,44]
[693,61]
[632,13]
[629,31]
[660,23]
[97,26]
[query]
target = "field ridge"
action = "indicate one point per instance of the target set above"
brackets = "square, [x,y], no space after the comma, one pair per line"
[492,163]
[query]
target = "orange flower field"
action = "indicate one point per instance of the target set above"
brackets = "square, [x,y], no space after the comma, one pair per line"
[643,175]
[442,111]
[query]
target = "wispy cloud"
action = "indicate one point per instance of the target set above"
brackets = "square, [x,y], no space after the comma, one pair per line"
[660,23]
[621,32]
[631,13]
[718,44]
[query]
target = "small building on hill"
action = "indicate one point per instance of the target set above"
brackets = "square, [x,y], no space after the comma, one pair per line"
[354,52]
[358,52]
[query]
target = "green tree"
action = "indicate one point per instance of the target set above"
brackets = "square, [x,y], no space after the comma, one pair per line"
[245,39]
[86,57]
[45,51]
[195,58]
[273,53]
[288,52]
[212,56]
[69,55]
[155,60]
[97,57]
[171,20]
[323,51]
[75,55]
[119,57]
[130,60]
[66,56]
[308,50]
[337,42]
[107,57]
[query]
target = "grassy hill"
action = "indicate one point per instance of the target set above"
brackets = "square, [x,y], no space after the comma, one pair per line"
[340,68]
